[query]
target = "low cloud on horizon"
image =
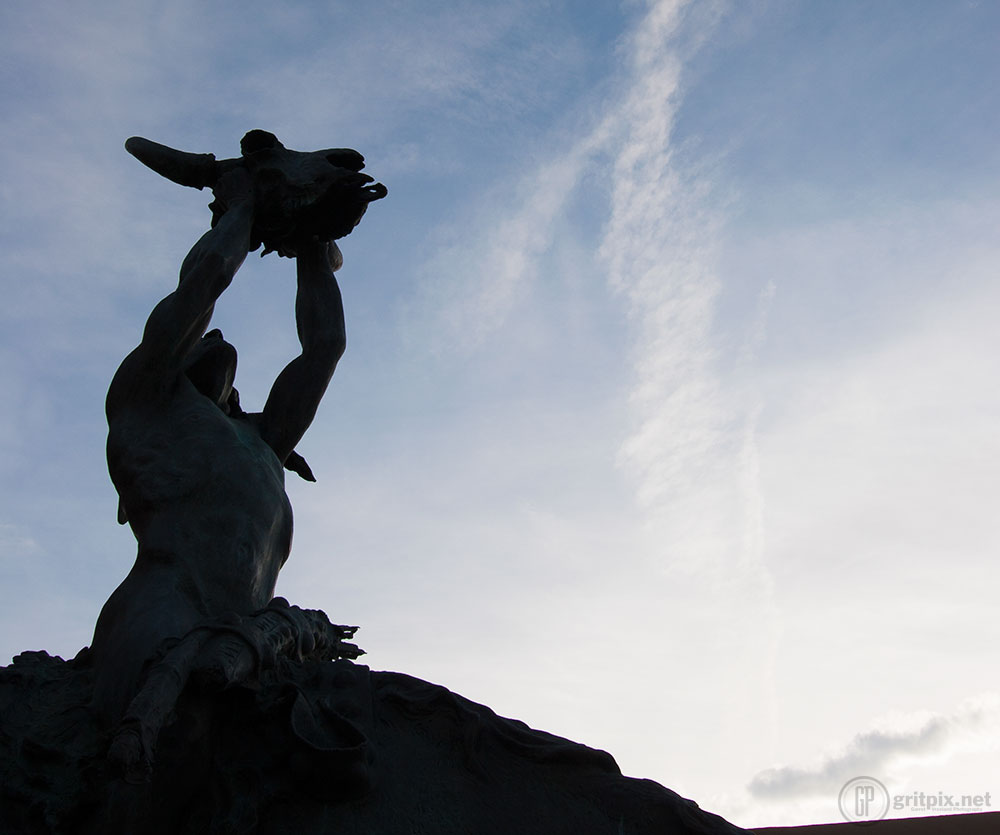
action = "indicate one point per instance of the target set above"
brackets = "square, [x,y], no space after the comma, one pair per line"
[975,725]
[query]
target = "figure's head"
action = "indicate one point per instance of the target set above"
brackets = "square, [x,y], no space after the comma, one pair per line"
[211,368]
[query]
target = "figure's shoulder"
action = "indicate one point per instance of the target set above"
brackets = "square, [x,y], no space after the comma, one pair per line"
[124,387]
[139,385]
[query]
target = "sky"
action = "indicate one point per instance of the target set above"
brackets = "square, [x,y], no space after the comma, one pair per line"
[667,421]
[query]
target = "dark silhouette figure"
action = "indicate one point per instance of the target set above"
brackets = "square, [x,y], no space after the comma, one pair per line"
[200,482]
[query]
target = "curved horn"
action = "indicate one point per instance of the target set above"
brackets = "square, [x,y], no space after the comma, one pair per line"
[195,170]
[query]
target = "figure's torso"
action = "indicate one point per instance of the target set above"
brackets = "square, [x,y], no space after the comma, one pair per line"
[205,495]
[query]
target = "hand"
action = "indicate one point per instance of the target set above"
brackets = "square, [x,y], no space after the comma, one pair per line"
[323,253]
[234,186]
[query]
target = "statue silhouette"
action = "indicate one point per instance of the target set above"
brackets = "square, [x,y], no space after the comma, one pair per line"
[200,481]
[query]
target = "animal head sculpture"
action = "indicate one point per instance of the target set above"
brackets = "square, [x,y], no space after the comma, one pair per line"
[299,195]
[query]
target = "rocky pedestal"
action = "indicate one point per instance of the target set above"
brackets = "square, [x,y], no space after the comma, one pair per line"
[312,747]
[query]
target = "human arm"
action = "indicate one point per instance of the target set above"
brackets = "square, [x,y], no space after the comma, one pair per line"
[179,320]
[319,318]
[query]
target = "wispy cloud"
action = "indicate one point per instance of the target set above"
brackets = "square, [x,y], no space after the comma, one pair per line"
[975,724]
[661,248]
[470,287]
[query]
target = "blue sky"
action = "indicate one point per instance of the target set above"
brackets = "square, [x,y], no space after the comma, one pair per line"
[667,420]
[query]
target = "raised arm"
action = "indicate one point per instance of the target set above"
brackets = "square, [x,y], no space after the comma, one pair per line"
[179,320]
[319,318]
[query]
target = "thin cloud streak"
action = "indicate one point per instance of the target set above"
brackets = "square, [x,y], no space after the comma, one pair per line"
[692,448]
[660,247]
[471,288]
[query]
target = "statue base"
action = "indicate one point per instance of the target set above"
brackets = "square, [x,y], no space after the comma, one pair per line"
[312,747]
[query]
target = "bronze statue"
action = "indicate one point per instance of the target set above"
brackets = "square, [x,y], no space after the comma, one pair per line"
[206,706]
[200,481]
